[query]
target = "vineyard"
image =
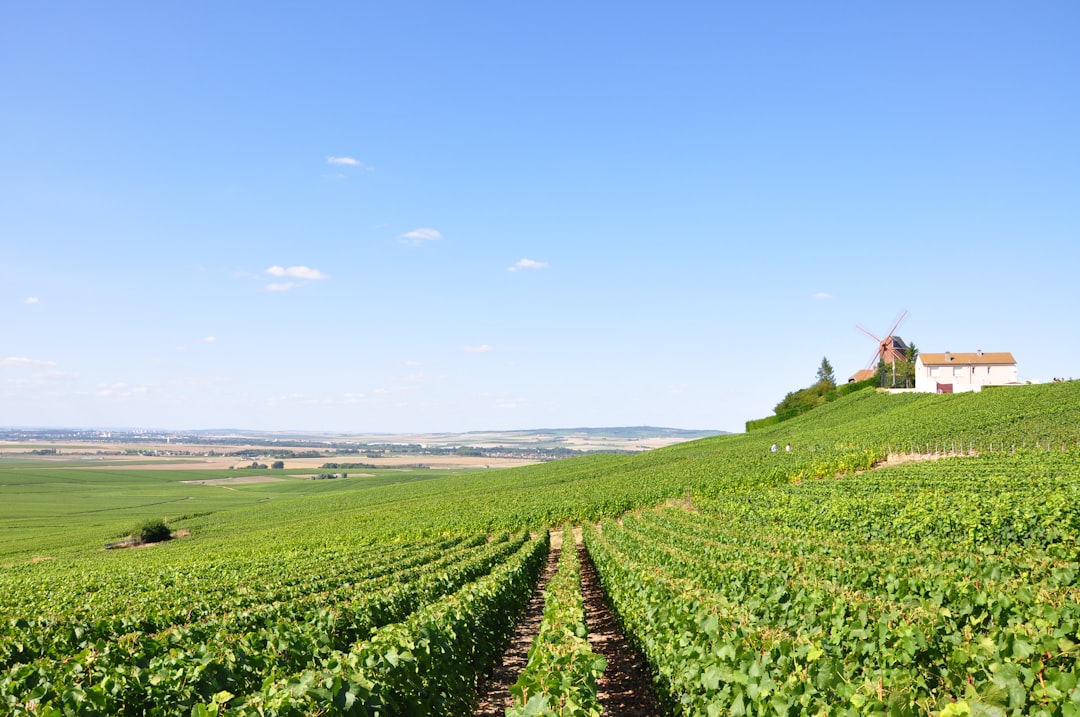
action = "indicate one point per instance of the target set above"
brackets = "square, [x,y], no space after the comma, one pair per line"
[811,582]
[915,591]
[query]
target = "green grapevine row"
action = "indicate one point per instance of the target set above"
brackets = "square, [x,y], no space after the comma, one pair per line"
[766,604]
[168,671]
[560,678]
[428,664]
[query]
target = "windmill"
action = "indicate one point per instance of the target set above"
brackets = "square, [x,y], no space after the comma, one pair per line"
[890,349]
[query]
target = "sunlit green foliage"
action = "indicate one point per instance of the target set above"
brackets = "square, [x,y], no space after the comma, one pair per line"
[792,591]
[152,531]
[902,593]
[560,678]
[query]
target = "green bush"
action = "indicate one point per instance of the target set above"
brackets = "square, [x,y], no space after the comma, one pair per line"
[797,403]
[152,531]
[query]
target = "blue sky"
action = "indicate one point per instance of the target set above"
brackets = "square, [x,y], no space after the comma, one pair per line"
[460,216]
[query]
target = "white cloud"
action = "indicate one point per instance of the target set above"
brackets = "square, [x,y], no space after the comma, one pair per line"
[678,389]
[24,361]
[120,391]
[208,339]
[44,383]
[528,264]
[821,295]
[481,349]
[203,380]
[55,375]
[421,235]
[32,300]
[274,401]
[350,162]
[296,272]
[509,404]
[392,390]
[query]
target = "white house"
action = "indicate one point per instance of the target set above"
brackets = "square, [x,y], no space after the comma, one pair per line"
[955,373]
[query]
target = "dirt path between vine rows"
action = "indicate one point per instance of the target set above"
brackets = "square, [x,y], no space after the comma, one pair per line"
[625,689]
[494,691]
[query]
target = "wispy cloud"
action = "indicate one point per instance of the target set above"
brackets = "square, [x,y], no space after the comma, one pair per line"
[821,296]
[481,349]
[203,380]
[208,339]
[32,300]
[24,361]
[527,264]
[305,273]
[55,375]
[47,382]
[420,236]
[351,162]
[120,391]
[296,272]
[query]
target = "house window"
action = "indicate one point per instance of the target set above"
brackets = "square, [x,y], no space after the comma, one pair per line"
[935,372]
[958,371]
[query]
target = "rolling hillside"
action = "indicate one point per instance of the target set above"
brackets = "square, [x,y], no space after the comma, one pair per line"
[754,582]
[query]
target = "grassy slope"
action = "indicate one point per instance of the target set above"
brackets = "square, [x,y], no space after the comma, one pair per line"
[46,508]
[292,539]
[595,486]
[534,496]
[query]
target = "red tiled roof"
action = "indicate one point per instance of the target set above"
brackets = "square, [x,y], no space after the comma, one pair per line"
[984,358]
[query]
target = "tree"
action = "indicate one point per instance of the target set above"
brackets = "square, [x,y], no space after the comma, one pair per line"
[806,398]
[898,374]
[825,372]
[910,355]
[277,464]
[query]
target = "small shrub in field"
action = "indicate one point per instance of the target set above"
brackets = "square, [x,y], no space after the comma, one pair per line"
[152,531]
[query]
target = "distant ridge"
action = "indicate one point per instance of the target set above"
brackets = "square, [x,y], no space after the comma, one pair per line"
[619,432]
[562,441]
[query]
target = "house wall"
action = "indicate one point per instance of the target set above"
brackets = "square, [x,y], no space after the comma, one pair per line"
[963,377]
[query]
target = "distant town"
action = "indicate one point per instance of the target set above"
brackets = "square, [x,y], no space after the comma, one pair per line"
[540,445]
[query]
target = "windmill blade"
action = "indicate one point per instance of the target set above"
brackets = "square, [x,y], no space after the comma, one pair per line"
[873,359]
[900,318]
[868,332]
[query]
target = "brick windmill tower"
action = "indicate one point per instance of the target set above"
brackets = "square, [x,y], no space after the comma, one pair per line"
[890,349]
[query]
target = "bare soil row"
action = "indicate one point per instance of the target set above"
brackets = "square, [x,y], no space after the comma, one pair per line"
[624,690]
